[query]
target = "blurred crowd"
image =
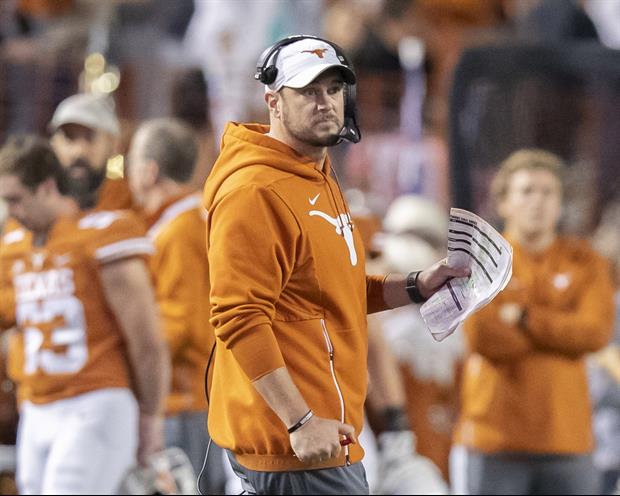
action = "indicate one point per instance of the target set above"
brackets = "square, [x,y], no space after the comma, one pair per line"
[194,61]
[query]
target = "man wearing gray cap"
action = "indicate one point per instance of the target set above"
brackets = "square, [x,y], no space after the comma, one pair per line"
[85,130]
[289,293]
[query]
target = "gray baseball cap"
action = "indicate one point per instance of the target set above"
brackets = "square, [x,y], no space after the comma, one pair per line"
[93,111]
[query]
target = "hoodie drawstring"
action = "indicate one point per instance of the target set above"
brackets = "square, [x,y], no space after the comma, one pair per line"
[344,203]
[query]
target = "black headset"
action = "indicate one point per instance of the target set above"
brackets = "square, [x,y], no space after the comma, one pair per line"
[267,74]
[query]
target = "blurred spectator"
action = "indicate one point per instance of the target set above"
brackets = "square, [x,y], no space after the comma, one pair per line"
[224,39]
[398,467]
[557,20]
[605,367]
[526,421]
[398,153]
[145,39]
[2,214]
[91,405]
[190,104]
[85,132]
[606,18]
[393,461]
[8,412]
[415,233]
[44,48]
[607,236]
[605,390]
[8,425]
[162,160]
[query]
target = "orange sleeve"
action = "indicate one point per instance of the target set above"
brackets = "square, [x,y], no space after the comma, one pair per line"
[116,235]
[177,269]
[374,294]
[252,248]
[7,299]
[588,327]
[7,305]
[487,335]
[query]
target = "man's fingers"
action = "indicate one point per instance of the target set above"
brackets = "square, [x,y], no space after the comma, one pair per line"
[457,272]
[443,269]
[348,431]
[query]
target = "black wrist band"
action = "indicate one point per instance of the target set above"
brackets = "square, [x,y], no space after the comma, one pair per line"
[302,421]
[412,287]
[395,419]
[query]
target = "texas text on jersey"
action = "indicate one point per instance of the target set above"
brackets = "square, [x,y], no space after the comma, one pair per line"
[72,342]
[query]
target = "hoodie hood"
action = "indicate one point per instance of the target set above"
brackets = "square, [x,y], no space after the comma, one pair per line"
[246,145]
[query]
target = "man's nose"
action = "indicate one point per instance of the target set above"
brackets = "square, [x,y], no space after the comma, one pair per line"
[323,100]
[78,148]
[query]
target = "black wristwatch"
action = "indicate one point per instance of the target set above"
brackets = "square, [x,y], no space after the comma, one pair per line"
[411,286]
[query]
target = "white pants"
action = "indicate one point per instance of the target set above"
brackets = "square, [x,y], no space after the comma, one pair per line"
[81,445]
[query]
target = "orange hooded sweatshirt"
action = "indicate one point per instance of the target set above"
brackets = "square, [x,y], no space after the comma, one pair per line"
[525,388]
[288,288]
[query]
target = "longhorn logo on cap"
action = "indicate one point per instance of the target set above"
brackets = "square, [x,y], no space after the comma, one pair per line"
[319,52]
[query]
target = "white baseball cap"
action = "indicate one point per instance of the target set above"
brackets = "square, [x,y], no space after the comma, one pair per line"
[87,109]
[303,61]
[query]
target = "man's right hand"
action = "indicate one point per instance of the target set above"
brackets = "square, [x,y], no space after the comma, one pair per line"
[319,439]
[151,437]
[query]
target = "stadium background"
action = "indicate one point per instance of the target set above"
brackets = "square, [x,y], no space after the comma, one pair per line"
[447,89]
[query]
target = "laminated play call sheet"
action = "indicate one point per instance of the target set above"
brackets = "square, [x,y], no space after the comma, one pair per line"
[473,243]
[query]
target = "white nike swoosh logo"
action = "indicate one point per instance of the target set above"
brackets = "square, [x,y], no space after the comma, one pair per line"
[313,200]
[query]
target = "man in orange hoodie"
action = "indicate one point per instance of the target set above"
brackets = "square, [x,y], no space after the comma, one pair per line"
[526,422]
[289,293]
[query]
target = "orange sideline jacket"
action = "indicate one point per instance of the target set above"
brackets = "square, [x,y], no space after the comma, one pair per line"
[525,388]
[288,288]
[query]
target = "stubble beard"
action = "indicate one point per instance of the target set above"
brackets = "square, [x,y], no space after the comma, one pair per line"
[307,135]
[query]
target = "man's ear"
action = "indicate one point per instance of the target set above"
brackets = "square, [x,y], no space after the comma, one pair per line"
[152,172]
[48,186]
[273,103]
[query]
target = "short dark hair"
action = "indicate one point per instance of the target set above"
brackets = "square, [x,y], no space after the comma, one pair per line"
[30,158]
[173,145]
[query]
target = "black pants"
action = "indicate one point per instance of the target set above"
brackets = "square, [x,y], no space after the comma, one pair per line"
[338,480]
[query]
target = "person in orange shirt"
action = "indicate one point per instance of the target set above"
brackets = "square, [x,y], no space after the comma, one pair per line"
[95,369]
[289,291]
[162,158]
[526,422]
[84,133]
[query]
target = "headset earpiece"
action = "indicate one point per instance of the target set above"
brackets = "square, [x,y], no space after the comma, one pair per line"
[268,75]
